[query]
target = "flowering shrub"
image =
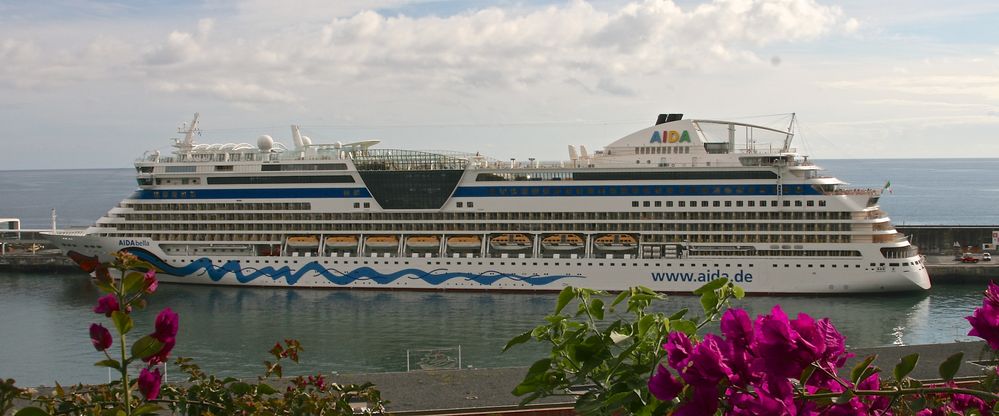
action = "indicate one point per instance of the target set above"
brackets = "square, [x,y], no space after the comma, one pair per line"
[773,365]
[204,394]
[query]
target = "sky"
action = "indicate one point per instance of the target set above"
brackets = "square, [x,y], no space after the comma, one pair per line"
[94,84]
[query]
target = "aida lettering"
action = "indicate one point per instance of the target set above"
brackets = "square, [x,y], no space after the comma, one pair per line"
[133,243]
[670,136]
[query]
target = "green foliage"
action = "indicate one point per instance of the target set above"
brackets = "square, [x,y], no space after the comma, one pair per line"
[608,364]
[905,366]
[949,367]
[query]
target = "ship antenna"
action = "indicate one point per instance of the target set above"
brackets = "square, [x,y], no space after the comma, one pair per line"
[186,144]
[790,135]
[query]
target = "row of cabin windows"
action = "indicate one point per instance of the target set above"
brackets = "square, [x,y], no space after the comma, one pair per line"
[739,203]
[485,216]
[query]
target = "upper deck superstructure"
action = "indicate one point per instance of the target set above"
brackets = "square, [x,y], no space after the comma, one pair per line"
[668,207]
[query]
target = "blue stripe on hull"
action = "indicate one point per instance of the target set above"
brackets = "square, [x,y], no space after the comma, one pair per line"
[204,266]
[272,193]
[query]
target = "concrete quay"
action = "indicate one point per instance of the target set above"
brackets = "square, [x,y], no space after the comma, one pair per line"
[488,391]
[39,262]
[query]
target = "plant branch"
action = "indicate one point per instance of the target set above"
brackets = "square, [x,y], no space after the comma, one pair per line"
[903,392]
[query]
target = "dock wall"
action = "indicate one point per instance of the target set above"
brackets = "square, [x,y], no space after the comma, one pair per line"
[940,239]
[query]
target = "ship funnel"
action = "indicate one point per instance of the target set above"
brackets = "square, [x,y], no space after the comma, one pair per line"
[573,156]
[666,118]
[583,153]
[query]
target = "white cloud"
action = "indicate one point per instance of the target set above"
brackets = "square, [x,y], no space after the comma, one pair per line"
[485,48]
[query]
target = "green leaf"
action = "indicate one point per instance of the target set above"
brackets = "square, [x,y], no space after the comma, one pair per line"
[31,411]
[104,286]
[679,314]
[145,347]
[711,286]
[949,367]
[538,368]
[122,321]
[519,339]
[644,324]
[738,292]
[132,282]
[146,409]
[109,363]
[621,297]
[265,389]
[597,309]
[709,301]
[684,326]
[845,397]
[905,366]
[564,297]
[240,388]
[858,370]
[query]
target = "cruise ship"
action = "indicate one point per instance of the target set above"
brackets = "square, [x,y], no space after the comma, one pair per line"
[670,207]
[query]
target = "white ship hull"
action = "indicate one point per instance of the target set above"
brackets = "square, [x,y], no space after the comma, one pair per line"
[666,207]
[757,275]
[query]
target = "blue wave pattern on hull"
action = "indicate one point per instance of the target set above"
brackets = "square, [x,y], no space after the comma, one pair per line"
[204,266]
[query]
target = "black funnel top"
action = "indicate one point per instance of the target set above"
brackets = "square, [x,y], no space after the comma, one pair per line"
[666,118]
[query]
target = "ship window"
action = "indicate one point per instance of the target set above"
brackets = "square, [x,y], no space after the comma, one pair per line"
[367,205]
[704,203]
[787,203]
[810,203]
[634,204]
[471,204]
[682,204]
[670,203]
[460,204]
[645,204]
[223,168]
[718,203]
[659,204]
[797,203]
[822,203]
[357,205]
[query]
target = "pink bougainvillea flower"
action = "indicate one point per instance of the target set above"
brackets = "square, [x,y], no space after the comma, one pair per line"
[678,348]
[150,282]
[765,402]
[776,345]
[878,404]
[992,295]
[149,383]
[163,354]
[737,328]
[703,401]
[707,365]
[663,385]
[100,337]
[985,324]
[166,325]
[107,304]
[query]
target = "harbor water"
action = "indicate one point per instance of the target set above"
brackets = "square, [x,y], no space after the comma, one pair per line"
[44,331]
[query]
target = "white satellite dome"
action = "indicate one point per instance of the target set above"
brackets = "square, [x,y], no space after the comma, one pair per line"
[306,140]
[265,142]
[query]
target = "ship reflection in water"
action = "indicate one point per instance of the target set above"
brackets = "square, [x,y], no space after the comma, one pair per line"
[229,329]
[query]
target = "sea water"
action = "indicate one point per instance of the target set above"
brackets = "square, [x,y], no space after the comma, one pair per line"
[44,327]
